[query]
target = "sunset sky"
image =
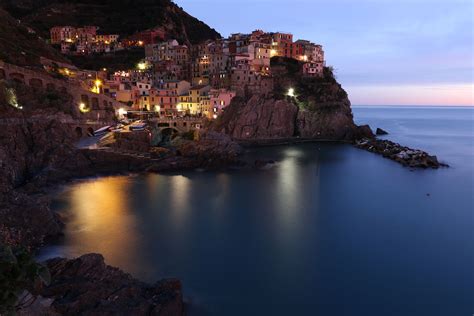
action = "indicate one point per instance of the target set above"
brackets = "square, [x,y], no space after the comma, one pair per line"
[405,52]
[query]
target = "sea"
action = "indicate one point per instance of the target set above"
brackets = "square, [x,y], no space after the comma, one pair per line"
[328,230]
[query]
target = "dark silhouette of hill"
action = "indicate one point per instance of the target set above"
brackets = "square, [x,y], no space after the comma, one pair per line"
[20,46]
[123,17]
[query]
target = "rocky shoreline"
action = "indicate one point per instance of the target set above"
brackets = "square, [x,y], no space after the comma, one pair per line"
[409,157]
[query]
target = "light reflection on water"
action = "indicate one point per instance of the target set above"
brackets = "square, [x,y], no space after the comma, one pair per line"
[106,228]
[329,230]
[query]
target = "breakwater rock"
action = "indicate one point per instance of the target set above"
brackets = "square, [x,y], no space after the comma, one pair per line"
[406,156]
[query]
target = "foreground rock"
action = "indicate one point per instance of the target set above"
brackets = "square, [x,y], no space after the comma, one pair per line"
[404,155]
[380,131]
[87,286]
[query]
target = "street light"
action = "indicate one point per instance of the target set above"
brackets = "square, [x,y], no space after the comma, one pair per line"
[291,92]
[83,108]
[142,66]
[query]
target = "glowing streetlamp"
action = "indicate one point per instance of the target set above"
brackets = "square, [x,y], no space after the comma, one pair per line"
[96,87]
[291,92]
[142,66]
[83,108]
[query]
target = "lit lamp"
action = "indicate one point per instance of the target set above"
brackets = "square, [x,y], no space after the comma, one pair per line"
[141,66]
[83,108]
[291,92]
[97,84]
[122,112]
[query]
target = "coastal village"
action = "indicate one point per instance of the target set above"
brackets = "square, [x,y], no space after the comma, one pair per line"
[165,94]
[178,80]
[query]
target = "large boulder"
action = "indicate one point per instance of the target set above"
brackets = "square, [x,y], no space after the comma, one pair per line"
[88,286]
[211,146]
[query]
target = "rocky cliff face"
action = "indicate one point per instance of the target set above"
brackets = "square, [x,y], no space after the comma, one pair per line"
[258,118]
[29,148]
[320,109]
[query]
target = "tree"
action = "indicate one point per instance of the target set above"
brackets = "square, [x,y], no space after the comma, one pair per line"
[19,274]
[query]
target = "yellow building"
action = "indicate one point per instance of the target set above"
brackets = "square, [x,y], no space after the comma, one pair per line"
[191,103]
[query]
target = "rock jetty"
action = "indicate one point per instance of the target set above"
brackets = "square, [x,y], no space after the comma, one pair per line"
[406,156]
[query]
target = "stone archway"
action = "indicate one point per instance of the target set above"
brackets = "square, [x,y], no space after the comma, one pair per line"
[169,133]
[18,77]
[36,83]
[78,131]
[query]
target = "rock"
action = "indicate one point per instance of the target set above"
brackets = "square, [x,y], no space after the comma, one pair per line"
[88,286]
[139,141]
[159,152]
[380,131]
[401,154]
[262,163]
[258,118]
[212,150]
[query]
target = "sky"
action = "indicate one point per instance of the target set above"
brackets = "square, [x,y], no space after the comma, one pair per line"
[400,52]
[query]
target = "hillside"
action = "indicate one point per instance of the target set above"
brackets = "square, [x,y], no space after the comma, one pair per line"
[19,46]
[123,17]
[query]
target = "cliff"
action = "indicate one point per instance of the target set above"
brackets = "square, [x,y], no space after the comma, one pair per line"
[319,109]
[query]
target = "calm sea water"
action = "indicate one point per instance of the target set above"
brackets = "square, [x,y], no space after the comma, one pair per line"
[330,230]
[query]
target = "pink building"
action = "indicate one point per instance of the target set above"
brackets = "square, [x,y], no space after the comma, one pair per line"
[220,99]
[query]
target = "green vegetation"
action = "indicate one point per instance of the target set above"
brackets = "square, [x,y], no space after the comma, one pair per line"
[19,272]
